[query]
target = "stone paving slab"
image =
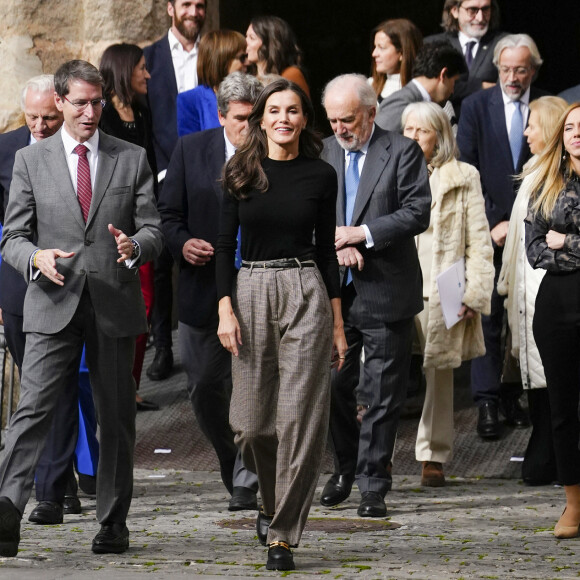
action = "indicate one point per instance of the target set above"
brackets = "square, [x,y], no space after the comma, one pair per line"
[471,529]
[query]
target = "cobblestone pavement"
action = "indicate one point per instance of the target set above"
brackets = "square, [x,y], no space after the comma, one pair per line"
[486,528]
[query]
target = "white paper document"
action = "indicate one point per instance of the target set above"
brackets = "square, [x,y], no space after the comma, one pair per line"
[451,286]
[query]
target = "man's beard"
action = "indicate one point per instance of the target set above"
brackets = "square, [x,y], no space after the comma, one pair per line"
[188,32]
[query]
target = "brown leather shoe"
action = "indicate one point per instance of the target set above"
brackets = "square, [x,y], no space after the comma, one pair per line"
[432,474]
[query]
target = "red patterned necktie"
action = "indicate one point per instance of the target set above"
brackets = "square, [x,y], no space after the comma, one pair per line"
[84,190]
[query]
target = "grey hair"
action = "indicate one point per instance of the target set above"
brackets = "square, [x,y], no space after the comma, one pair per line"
[514,41]
[38,84]
[433,117]
[359,83]
[237,87]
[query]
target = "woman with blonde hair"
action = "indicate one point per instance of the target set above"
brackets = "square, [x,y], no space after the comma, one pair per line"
[458,230]
[519,282]
[221,52]
[553,244]
[395,46]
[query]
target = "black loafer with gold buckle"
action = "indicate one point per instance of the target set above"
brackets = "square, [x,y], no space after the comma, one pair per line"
[280,557]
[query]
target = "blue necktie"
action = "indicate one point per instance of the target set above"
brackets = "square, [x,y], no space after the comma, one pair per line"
[469,53]
[516,133]
[351,181]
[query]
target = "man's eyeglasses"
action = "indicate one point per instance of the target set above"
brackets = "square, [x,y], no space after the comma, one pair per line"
[519,71]
[82,105]
[472,11]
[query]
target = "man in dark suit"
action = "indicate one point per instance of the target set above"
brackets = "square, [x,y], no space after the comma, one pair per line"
[471,26]
[172,64]
[490,137]
[190,205]
[435,72]
[377,215]
[80,220]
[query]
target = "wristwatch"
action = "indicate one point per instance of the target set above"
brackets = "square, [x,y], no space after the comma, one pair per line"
[136,249]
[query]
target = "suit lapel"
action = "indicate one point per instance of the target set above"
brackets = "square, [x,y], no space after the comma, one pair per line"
[481,55]
[56,162]
[498,123]
[336,159]
[215,158]
[106,166]
[375,163]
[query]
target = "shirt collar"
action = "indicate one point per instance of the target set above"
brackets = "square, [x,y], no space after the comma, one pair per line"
[174,43]
[525,98]
[426,96]
[69,143]
[464,39]
[230,149]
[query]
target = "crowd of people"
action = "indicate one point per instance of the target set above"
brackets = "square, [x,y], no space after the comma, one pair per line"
[311,272]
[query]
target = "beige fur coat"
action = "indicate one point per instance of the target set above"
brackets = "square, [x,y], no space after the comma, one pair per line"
[460,229]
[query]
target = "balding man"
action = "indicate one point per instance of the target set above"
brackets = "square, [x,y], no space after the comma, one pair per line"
[383,202]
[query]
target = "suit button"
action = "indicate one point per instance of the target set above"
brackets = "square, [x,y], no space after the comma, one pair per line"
[83,272]
[88,242]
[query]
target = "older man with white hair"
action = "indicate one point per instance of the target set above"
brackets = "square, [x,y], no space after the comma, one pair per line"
[491,137]
[383,201]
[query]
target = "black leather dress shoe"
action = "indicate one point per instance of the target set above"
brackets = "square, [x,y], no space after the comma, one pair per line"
[111,539]
[145,405]
[46,513]
[262,524]
[514,413]
[488,426]
[336,490]
[162,364]
[372,505]
[71,505]
[243,498]
[280,557]
[9,528]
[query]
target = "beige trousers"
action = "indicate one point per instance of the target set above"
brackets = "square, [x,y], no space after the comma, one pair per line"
[281,389]
[435,433]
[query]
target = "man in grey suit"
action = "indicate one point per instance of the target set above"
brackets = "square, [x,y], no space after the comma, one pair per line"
[383,202]
[80,219]
[436,69]
[471,26]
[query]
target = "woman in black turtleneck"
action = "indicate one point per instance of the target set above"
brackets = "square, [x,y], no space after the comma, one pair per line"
[281,317]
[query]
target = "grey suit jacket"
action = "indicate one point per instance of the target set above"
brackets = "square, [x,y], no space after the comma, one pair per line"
[391,109]
[43,207]
[394,201]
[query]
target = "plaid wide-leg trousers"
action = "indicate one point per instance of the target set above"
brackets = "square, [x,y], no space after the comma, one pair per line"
[281,388]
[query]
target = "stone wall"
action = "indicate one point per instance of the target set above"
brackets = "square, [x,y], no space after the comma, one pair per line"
[36,36]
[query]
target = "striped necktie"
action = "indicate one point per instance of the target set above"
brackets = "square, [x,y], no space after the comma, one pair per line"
[84,190]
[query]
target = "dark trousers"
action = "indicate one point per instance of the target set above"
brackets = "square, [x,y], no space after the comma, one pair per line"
[540,459]
[366,452]
[486,369]
[163,304]
[209,384]
[557,335]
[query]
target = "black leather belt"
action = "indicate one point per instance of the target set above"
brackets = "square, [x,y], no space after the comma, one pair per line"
[285,263]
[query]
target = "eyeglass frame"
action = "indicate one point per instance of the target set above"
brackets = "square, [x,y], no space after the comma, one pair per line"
[473,11]
[519,71]
[80,107]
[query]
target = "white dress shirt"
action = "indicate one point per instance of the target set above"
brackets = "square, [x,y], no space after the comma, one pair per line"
[464,39]
[184,63]
[510,109]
